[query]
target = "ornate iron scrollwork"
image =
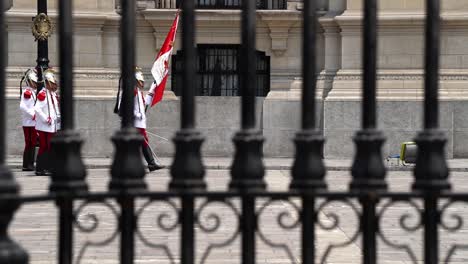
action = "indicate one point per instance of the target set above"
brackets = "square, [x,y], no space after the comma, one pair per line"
[93,224]
[211,222]
[452,226]
[167,220]
[286,219]
[404,224]
[335,223]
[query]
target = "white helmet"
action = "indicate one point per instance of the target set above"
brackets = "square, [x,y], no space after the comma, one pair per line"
[31,75]
[139,74]
[49,75]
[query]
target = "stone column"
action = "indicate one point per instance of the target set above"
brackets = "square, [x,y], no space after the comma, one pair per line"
[8,5]
[332,39]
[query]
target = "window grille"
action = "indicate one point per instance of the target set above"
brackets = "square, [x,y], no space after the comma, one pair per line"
[227,4]
[218,71]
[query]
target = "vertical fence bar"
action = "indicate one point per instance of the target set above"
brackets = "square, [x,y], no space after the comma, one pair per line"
[65,236]
[127,67]
[431,84]
[127,226]
[308,237]
[309,64]
[368,170]
[431,172]
[10,251]
[249,64]
[187,169]
[308,171]
[248,223]
[368,224]
[187,255]
[188,72]
[370,64]
[431,232]
[69,173]
[66,62]
[247,170]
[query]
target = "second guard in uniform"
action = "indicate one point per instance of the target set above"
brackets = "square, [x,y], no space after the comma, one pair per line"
[28,117]
[47,121]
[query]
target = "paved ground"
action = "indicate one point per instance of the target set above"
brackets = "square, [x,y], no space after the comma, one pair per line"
[220,163]
[34,226]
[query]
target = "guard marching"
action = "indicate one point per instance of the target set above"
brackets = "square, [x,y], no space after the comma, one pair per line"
[47,111]
[140,119]
[28,117]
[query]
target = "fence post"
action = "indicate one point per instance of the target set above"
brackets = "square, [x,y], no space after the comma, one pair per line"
[308,170]
[247,170]
[187,170]
[10,251]
[431,172]
[68,174]
[127,168]
[368,170]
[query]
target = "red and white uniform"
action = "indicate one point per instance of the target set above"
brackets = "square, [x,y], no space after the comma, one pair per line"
[28,99]
[139,109]
[28,118]
[47,119]
[140,115]
[47,111]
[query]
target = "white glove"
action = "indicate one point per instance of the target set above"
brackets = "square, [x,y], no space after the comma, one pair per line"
[139,116]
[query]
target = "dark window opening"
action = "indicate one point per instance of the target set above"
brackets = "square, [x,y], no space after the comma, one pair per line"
[218,72]
[236,4]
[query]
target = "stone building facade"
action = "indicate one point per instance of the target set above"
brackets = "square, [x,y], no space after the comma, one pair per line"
[400,77]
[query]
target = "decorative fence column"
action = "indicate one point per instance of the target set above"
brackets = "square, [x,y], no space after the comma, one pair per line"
[431,172]
[308,171]
[128,172]
[368,170]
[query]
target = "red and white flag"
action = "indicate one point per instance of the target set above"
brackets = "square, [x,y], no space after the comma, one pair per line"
[160,67]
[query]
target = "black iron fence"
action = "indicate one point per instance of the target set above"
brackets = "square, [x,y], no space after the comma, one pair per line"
[367,195]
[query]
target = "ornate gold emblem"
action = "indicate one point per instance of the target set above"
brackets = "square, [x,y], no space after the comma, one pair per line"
[42,27]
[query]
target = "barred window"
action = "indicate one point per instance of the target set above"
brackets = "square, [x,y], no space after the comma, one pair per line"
[236,4]
[218,72]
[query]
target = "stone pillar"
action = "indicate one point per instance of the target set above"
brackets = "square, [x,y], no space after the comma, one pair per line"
[332,39]
[8,5]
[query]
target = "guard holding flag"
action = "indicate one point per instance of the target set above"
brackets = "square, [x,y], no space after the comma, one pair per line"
[47,111]
[140,118]
[28,117]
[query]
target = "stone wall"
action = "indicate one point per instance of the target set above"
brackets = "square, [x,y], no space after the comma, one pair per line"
[218,118]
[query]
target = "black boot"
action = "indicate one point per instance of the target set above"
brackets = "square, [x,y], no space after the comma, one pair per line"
[31,155]
[26,161]
[152,165]
[42,164]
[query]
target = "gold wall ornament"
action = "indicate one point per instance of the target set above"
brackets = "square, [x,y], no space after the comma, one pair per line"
[42,27]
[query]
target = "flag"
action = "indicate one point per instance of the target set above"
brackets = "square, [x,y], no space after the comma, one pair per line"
[160,67]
